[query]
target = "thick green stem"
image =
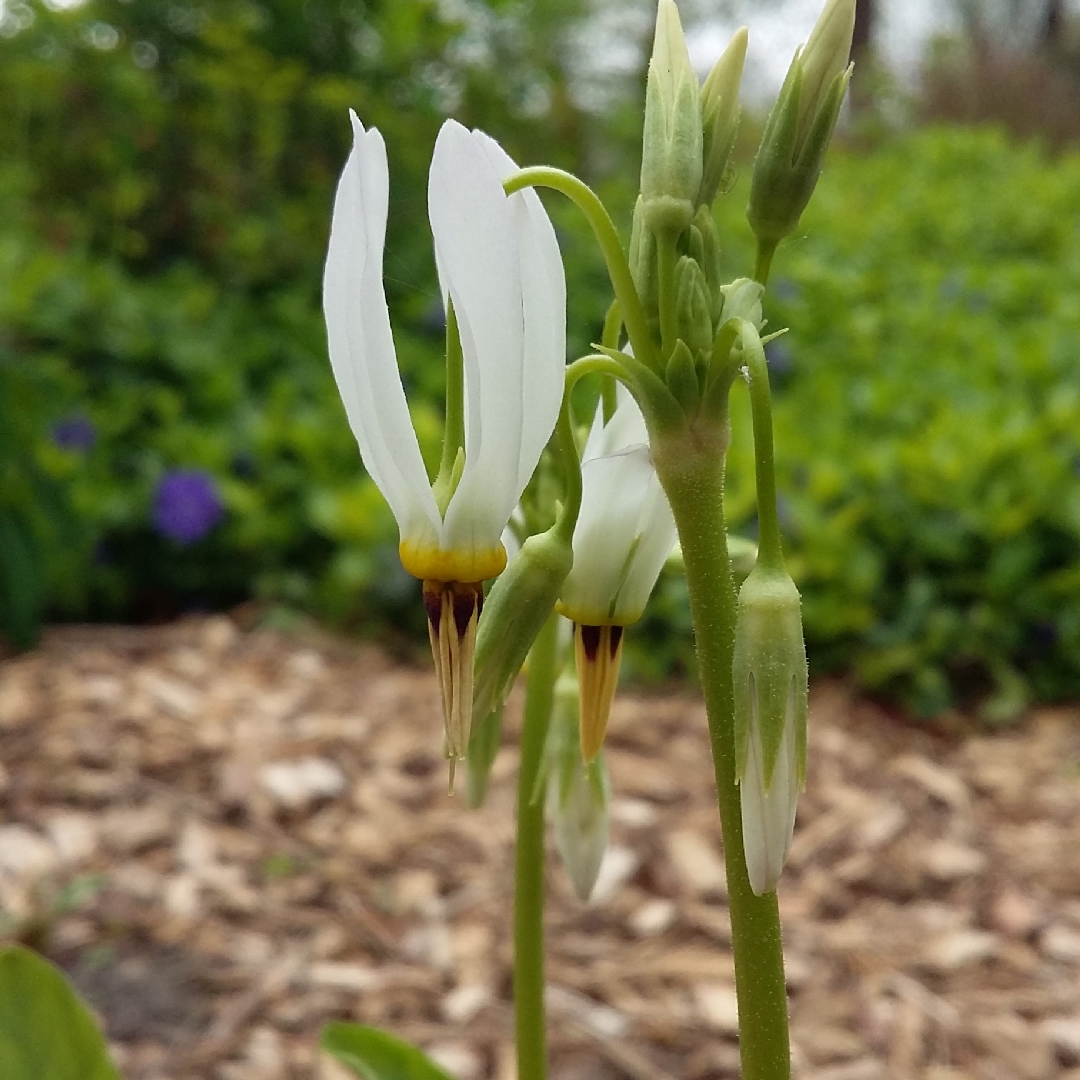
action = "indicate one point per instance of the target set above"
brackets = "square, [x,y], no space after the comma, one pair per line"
[529,862]
[770,552]
[622,281]
[691,469]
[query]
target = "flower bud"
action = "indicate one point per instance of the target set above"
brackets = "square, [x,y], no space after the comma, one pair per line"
[720,116]
[705,248]
[671,143]
[514,612]
[770,677]
[578,794]
[692,303]
[681,377]
[800,126]
[483,746]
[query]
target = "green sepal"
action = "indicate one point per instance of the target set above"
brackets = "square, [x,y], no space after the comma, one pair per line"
[46,1032]
[769,668]
[377,1055]
[520,602]
[692,304]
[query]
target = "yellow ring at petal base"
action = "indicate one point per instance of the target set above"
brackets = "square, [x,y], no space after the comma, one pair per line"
[433,564]
[594,617]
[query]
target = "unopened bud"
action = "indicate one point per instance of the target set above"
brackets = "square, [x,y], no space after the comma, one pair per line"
[643,266]
[483,746]
[742,300]
[692,303]
[671,143]
[682,379]
[515,610]
[800,126]
[720,116]
[770,678]
[705,248]
[579,794]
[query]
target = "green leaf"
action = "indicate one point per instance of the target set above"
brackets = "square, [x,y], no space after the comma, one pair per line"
[46,1032]
[376,1055]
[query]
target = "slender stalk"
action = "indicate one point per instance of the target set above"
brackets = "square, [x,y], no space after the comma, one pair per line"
[665,284]
[770,551]
[610,340]
[529,862]
[622,281]
[765,252]
[691,469]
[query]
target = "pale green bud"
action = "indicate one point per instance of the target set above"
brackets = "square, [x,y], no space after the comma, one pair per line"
[671,160]
[579,794]
[692,303]
[514,612]
[770,680]
[742,300]
[682,378]
[720,116]
[484,744]
[801,125]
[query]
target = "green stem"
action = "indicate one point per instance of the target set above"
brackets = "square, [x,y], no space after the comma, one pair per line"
[691,469]
[622,282]
[765,252]
[529,862]
[770,551]
[571,460]
[610,340]
[665,286]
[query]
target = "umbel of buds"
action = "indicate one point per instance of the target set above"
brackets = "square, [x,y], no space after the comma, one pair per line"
[770,675]
[800,126]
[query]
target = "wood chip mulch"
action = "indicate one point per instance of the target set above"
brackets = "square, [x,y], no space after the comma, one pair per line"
[228,838]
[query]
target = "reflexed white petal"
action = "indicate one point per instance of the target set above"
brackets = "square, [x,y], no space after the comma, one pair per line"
[656,528]
[768,817]
[543,285]
[360,341]
[479,268]
[625,428]
[613,488]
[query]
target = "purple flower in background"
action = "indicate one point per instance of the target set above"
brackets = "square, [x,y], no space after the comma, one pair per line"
[187,505]
[74,433]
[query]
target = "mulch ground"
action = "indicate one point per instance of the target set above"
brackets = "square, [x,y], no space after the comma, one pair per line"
[228,838]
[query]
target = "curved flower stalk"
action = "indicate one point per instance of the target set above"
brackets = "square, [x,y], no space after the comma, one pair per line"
[501,276]
[623,535]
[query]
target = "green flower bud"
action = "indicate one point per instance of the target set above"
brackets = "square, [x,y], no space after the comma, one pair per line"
[671,143]
[692,303]
[514,612]
[800,126]
[578,794]
[720,116]
[770,677]
[483,746]
[682,378]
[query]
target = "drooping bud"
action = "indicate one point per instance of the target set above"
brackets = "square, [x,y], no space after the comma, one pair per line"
[770,677]
[742,300]
[516,609]
[720,116]
[671,143]
[800,126]
[578,794]
[453,609]
[598,655]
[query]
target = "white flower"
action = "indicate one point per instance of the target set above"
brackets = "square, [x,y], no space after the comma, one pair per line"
[498,263]
[623,535]
[625,530]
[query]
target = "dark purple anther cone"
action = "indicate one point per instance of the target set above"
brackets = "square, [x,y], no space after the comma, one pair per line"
[187,505]
[74,433]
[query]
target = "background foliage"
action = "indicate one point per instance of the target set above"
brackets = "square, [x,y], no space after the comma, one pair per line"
[167,171]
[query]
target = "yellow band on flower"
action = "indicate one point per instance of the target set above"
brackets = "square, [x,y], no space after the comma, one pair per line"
[432,564]
[594,616]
